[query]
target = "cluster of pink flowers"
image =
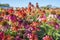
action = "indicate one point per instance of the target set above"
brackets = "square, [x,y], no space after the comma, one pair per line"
[26,22]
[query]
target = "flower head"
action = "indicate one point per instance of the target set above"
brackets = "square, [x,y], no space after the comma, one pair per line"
[58,16]
[57,26]
[47,38]
[18,38]
[13,18]
[1,18]
[1,35]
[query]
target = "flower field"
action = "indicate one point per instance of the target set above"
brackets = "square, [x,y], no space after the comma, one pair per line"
[31,23]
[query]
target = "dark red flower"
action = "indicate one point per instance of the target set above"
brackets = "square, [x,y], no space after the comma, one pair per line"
[1,35]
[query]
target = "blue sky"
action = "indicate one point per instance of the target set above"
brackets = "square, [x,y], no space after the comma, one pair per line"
[24,3]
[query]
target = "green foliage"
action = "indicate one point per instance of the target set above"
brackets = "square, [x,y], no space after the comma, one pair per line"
[41,33]
[48,30]
[5,5]
[9,32]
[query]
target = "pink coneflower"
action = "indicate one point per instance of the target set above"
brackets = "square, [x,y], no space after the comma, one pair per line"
[42,18]
[32,36]
[47,38]
[57,26]
[13,18]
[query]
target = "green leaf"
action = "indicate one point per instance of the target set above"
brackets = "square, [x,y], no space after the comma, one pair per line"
[41,33]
